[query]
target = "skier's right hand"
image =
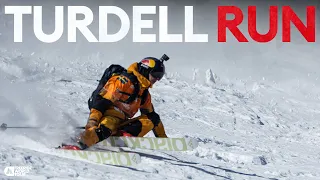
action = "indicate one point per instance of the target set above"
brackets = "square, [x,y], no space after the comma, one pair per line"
[91,123]
[89,136]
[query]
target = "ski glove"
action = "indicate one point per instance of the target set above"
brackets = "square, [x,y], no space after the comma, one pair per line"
[91,123]
[154,117]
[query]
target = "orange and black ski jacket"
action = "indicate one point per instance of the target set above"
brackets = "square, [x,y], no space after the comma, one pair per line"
[117,90]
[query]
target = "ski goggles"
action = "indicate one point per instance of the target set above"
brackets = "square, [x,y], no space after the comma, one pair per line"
[157,75]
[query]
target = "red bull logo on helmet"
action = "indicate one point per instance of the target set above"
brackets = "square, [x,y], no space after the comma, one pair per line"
[148,63]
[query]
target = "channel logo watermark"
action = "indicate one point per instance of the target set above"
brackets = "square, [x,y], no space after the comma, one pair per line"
[17,170]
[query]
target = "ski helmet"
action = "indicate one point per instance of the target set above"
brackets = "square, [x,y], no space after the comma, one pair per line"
[152,66]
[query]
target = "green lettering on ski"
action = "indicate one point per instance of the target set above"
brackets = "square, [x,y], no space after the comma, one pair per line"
[82,155]
[96,155]
[182,146]
[125,160]
[160,142]
[105,157]
[169,144]
[123,140]
[114,158]
[151,145]
[102,157]
[135,142]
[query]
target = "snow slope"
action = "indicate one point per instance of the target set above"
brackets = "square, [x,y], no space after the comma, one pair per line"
[259,119]
[257,132]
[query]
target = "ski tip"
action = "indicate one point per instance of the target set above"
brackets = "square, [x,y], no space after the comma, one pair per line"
[69,147]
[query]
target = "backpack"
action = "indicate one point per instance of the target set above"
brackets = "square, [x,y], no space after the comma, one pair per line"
[116,69]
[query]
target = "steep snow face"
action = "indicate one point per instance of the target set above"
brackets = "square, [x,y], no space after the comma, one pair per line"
[254,108]
[257,131]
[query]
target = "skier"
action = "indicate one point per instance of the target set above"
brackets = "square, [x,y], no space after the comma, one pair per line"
[119,95]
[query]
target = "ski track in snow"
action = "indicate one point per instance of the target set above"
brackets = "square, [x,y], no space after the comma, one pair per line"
[242,134]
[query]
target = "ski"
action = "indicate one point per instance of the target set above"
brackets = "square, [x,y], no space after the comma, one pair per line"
[98,155]
[102,157]
[151,143]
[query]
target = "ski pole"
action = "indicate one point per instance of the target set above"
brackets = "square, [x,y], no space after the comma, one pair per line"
[4,126]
